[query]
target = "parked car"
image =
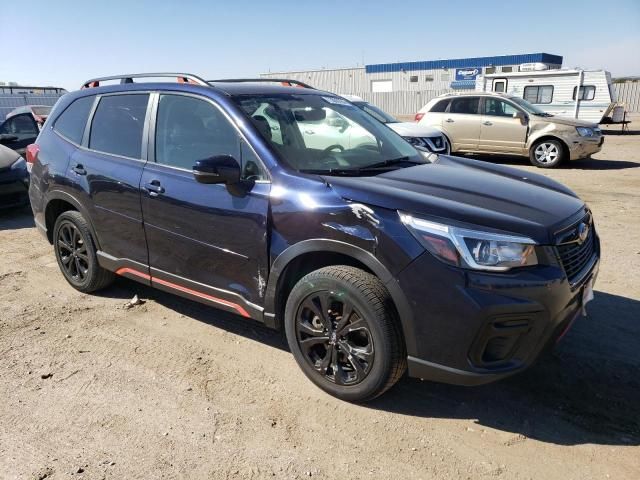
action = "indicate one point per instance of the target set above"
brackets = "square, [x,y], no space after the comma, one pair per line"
[371,257]
[22,125]
[14,179]
[506,124]
[415,133]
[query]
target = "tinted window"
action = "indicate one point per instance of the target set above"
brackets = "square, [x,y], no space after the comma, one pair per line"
[441,106]
[118,123]
[538,93]
[507,69]
[23,126]
[465,105]
[490,70]
[587,92]
[498,108]
[189,129]
[73,120]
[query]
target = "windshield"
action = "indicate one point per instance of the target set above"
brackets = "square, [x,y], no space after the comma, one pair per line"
[376,113]
[529,108]
[326,134]
[41,110]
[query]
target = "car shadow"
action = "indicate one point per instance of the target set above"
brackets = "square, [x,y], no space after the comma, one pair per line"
[584,164]
[16,218]
[587,390]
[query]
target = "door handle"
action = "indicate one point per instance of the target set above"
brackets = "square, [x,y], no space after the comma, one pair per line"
[487,123]
[449,120]
[309,132]
[153,188]
[79,169]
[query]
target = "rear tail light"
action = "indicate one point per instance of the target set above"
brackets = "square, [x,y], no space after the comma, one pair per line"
[32,155]
[419,116]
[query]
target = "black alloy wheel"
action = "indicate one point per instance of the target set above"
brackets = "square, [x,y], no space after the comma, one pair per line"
[72,251]
[335,338]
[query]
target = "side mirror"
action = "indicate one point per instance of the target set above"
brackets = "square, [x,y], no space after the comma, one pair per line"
[521,116]
[218,169]
[8,138]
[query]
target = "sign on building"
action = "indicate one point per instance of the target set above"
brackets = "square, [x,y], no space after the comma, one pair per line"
[469,73]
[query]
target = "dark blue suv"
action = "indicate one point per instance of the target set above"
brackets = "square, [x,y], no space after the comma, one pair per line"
[293,207]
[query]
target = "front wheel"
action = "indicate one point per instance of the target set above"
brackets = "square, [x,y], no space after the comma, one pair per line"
[546,154]
[344,334]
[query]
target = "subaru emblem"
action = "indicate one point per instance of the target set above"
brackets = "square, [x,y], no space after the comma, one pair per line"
[583,232]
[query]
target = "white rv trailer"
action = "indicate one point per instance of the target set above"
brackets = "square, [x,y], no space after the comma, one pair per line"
[555,91]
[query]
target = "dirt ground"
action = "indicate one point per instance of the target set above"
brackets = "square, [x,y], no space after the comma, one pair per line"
[172,389]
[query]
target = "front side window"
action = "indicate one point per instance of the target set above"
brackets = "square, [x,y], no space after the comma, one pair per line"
[72,121]
[324,134]
[587,92]
[538,94]
[465,105]
[498,108]
[118,124]
[189,129]
[22,126]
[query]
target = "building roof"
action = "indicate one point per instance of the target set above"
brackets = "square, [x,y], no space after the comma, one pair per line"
[466,62]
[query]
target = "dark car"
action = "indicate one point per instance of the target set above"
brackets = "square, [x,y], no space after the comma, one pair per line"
[14,179]
[372,257]
[22,126]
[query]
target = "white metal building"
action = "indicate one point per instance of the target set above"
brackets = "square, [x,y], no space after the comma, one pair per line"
[430,75]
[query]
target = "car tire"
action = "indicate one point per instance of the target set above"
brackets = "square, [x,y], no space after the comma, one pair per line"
[356,358]
[547,153]
[76,253]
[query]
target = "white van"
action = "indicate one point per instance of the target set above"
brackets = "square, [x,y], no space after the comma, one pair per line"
[581,94]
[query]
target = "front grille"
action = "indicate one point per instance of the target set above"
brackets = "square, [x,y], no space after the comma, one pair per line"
[576,254]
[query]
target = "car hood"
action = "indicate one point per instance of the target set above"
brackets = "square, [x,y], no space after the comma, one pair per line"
[7,157]
[411,129]
[470,192]
[572,122]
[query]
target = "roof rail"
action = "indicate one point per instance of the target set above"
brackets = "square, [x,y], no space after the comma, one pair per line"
[128,78]
[284,81]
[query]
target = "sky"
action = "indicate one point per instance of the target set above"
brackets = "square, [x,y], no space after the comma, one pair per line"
[65,42]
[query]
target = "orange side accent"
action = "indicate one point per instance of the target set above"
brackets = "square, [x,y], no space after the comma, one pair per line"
[131,271]
[237,308]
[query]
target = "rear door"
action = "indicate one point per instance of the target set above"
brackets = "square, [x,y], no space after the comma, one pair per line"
[18,132]
[206,241]
[109,171]
[461,123]
[499,130]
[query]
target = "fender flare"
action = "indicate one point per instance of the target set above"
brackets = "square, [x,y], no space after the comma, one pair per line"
[279,265]
[69,198]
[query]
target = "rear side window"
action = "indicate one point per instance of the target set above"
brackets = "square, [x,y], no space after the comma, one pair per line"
[468,105]
[118,123]
[538,93]
[587,92]
[441,106]
[71,122]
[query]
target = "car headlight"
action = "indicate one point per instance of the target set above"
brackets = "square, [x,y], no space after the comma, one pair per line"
[473,249]
[19,164]
[585,131]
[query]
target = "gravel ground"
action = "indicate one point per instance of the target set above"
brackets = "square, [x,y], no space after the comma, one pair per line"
[173,389]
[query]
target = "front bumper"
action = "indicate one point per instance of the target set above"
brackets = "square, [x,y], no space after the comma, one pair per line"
[14,188]
[583,147]
[472,327]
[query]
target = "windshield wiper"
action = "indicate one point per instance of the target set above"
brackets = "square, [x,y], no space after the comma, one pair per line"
[389,163]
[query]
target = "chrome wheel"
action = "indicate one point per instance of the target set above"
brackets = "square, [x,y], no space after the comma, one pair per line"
[547,153]
[334,338]
[72,251]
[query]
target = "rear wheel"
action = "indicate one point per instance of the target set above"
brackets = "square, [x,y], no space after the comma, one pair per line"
[547,153]
[76,253]
[343,332]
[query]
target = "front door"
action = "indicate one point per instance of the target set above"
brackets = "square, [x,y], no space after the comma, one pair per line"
[500,131]
[206,241]
[461,123]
